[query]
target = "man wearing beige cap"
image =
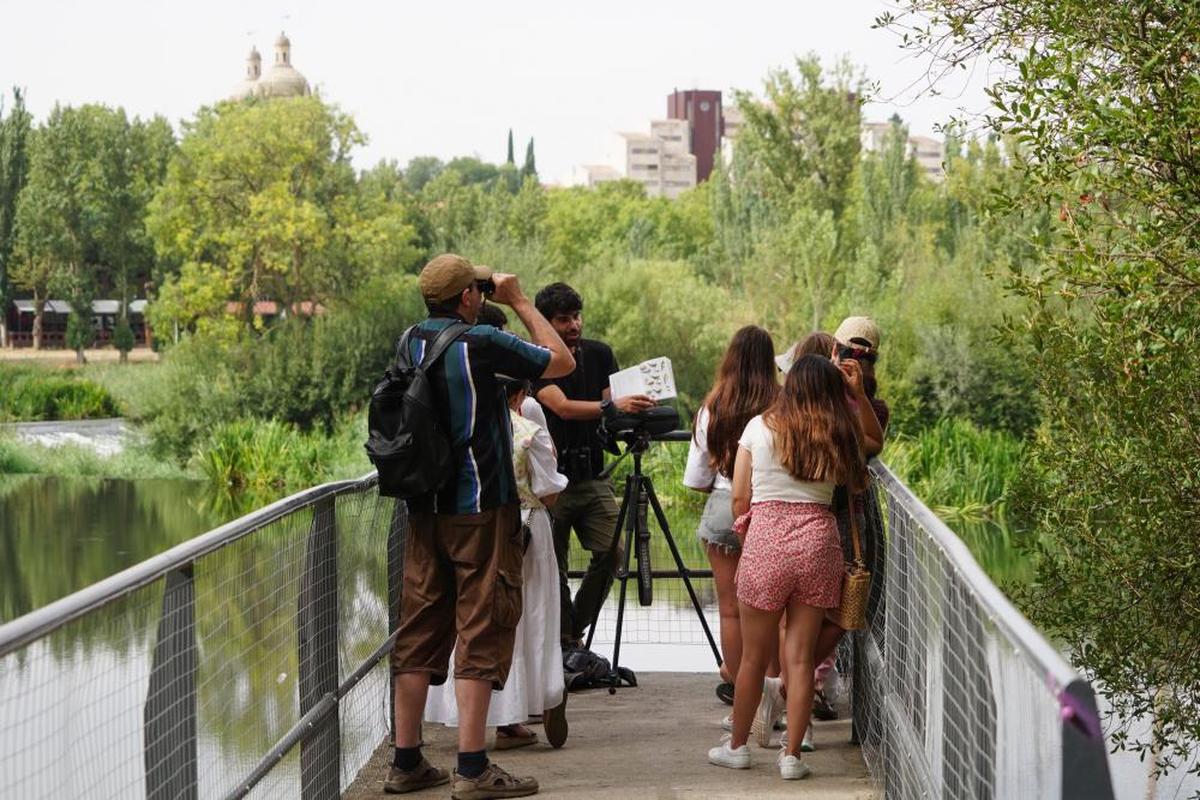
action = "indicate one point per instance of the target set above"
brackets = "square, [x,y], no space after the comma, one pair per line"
[464,549]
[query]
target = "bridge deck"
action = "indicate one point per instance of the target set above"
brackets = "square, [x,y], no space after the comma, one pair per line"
[649,742]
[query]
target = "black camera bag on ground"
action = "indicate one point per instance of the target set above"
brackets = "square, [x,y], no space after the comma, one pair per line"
[406,443]
[583,669]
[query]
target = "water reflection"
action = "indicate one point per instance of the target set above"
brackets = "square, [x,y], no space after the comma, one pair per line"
[57,536]
[60,535]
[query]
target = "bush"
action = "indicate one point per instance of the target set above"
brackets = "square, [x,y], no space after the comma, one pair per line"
[305,372]
[30,394]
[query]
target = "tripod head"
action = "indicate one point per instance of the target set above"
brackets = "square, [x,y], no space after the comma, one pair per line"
[637,431]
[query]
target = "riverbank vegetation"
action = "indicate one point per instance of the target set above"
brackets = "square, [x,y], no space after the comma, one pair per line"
[33,394]
[1104,99]
[790,232]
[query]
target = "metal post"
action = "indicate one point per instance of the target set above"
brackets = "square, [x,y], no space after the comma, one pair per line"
[169,715]
[320,752]
[397,538]
[1084,754]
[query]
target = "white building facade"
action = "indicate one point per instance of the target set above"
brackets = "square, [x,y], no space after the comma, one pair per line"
[658,160]
[928,152]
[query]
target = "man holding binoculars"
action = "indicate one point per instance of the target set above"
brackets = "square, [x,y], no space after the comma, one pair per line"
[575,406]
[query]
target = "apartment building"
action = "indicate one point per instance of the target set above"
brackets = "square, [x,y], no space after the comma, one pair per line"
[928,152]
[658,160]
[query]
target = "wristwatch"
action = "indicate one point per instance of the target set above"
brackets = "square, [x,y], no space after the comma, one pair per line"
[607,409]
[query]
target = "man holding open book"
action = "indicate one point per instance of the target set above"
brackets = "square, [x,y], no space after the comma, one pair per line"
[574,408]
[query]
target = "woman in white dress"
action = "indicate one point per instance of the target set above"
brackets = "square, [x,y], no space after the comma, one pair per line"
[535,681]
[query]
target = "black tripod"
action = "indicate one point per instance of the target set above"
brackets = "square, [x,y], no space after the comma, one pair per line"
[639,496]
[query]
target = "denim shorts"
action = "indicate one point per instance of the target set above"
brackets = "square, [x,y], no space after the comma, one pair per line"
[716,523]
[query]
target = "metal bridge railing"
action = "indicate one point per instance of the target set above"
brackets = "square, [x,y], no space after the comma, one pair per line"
[248,660]
[252,660]
[955,693]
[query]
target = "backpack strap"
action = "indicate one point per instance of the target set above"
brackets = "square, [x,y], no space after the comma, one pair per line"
[403,358]
[448,336]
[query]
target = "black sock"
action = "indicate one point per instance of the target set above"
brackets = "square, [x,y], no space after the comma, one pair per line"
[472,765]
[407,758]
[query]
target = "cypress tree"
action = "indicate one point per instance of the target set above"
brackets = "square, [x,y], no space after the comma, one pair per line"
[511,159]
[530,167]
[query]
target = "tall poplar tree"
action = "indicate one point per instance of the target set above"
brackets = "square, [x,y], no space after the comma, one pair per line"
[14,168]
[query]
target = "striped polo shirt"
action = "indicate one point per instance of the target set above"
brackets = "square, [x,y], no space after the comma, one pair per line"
[472,408]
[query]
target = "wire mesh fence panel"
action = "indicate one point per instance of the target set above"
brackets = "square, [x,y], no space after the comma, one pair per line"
[71,704]
[248,659]
[954,693]
[671,617]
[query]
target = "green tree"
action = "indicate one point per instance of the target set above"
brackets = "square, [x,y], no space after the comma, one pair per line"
[80,218]
[529,168]
[1104,102]
[58,214]
[14,166]
[510,159]
[804,139]
[263,197]
[123,338]
[420,171]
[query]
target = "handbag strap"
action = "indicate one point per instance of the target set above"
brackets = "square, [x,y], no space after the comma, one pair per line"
[854,527]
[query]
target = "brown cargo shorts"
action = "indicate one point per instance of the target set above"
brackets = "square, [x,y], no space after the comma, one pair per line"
[462,584]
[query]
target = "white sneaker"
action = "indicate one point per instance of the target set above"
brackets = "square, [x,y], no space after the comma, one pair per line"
[725,756]
[727,723]
[770,709]
[806,744]
[792,768]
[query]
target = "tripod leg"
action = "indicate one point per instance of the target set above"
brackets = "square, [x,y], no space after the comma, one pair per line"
[622,514]
[623,574]
[683,571]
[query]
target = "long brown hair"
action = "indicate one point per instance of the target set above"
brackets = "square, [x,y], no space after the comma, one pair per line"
[817,343]
[744,387]
[817,436]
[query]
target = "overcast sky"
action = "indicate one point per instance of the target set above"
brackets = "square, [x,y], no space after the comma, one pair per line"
[450,78]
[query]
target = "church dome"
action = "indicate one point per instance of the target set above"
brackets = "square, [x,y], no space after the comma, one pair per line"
[282,80]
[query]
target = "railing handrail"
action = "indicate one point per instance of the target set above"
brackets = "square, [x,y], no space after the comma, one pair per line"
[1000,609]
[36,624]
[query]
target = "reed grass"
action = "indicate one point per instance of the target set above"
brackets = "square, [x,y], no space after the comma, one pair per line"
[961,472]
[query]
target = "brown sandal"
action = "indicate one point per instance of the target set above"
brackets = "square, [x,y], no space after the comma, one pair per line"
[508,741]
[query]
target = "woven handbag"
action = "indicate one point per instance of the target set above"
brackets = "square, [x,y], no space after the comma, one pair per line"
[856,585]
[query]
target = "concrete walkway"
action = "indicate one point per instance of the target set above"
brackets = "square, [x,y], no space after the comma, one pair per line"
[652,742]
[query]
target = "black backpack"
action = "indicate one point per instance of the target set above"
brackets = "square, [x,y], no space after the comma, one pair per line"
[583,669]
[406,441]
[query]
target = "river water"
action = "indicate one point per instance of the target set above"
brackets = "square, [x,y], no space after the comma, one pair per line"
[60,535]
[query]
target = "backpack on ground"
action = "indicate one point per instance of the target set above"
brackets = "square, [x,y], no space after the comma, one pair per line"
[406,442]
[583,669]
